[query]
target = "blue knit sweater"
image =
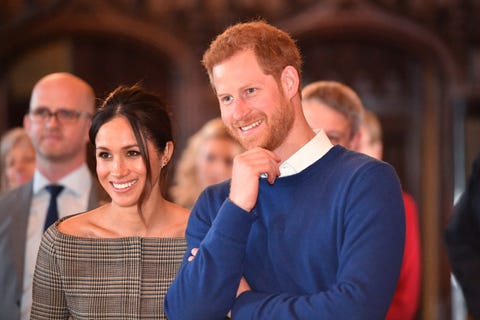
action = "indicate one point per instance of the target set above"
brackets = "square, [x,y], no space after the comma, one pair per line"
[326,243]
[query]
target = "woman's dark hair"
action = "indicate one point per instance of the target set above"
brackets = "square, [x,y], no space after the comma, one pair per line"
[149,119]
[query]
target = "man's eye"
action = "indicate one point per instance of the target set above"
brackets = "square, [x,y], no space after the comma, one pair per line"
[334,140]
[228,161]
[251,90]
[42,112]
[67,114]
[226,99]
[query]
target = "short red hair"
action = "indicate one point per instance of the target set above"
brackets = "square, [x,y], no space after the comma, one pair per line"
[274,48]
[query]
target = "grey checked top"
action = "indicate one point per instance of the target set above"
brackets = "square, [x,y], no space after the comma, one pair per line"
[103,278]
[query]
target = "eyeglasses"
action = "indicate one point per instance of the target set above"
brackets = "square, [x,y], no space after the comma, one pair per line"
[64,116]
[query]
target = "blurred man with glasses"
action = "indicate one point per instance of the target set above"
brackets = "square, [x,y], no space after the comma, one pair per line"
[61,106]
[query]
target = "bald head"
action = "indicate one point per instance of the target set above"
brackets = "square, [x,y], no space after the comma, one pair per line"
[64,88]
[60,141]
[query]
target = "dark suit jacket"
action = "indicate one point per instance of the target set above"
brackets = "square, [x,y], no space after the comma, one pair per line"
[463,241]
[14,213]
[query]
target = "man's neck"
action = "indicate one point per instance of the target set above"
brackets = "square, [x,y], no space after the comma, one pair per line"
[54,171]
[299,135]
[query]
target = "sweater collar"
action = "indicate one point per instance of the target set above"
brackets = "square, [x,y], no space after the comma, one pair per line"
[306,155]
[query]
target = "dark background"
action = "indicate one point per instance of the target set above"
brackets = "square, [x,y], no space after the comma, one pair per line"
[416,63]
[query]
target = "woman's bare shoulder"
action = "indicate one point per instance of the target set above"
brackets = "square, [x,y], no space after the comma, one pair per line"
[181,219]
[80,225]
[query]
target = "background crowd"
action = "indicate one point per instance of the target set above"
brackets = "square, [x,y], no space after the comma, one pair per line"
[53,118]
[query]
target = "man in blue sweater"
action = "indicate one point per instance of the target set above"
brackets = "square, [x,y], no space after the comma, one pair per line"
[304,229]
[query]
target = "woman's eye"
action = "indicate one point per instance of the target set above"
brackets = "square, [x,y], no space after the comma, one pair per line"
[133,153]
[103,155]
[251,90]
[210,158]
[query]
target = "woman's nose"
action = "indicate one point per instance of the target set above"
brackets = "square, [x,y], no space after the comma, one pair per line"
[119,168]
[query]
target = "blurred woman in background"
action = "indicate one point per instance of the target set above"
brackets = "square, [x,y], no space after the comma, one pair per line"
[17,159]
[206,160]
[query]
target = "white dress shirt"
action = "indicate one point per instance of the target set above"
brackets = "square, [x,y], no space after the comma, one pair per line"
[72,199]
[306,155]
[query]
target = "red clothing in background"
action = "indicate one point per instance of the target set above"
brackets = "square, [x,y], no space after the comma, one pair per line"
[405,301]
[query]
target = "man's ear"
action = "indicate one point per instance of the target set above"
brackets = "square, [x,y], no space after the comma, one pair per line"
[26,123]
[290,81]
[87,128]
[355,141]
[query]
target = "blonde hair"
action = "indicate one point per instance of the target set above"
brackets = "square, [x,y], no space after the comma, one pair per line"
[186,188]
[9,140]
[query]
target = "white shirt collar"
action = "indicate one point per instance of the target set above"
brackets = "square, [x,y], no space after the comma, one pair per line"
[306,155]
[76,181]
